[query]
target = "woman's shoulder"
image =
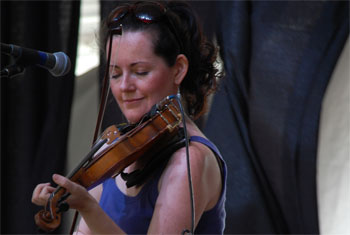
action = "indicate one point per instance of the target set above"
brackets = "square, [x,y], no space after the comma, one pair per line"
[205,171]
[200,155]
[202,158]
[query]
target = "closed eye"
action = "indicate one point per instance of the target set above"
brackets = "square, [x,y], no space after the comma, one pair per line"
[115,75]
[115,72]
[142,73]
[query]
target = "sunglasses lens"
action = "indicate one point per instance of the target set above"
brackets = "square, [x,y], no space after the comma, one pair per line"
[119,15]
[148,13]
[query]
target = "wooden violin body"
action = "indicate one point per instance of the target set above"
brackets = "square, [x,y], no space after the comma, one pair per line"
[112,153]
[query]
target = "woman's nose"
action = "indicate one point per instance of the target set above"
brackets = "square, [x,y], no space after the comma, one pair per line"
[127,83]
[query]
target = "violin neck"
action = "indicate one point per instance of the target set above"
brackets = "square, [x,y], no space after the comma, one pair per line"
[88,157]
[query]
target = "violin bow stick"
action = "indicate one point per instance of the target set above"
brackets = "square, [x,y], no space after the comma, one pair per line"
[102,107]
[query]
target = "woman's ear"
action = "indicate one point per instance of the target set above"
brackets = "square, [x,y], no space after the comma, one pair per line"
[180,68]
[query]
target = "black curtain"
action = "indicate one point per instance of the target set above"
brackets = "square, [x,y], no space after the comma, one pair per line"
[35,107]
[278,58]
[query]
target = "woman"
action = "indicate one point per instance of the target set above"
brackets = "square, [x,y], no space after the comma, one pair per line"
[161,51]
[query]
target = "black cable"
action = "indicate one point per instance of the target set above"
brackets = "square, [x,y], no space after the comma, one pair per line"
[178,98]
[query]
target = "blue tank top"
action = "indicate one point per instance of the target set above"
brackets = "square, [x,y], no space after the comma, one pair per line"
[133,214]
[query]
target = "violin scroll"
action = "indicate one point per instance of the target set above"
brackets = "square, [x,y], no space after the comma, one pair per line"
[44,221]
[49,219]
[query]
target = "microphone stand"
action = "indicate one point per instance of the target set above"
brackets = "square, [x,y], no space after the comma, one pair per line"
[12,71]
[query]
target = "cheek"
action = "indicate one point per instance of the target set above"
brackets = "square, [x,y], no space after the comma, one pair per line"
[158,89]
[165,86]
[114,88]
[162,82]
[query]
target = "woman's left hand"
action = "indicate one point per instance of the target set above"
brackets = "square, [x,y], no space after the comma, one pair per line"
[94,219]
[79,199]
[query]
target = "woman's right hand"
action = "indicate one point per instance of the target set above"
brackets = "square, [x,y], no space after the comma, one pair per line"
[42,193]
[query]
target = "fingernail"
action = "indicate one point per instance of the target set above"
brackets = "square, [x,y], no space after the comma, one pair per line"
[55,176]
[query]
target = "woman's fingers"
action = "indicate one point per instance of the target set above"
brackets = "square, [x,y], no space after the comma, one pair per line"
[71,187]
[42,193]
[79,197]
[63,182]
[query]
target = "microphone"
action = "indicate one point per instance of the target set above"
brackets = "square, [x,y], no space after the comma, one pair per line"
[57,63]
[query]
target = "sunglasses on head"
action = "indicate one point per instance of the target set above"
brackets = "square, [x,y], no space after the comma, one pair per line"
[146,12]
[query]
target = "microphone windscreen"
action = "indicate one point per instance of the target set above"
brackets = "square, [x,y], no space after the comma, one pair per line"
[62,66]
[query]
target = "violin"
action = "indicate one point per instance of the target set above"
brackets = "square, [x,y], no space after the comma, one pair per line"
[113,151]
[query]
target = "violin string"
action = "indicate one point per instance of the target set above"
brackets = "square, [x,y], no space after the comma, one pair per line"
[141,121]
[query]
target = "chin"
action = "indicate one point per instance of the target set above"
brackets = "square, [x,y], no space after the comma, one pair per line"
[134,119]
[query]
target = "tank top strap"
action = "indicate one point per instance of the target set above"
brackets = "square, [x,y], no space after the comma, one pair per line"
[206,142]
[154,183]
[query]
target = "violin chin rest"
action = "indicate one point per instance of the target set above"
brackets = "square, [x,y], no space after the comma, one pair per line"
[45,222]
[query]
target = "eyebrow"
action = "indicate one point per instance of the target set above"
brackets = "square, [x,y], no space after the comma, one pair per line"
[132,64]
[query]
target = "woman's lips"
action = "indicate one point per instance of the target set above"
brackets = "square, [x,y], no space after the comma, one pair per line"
[132,101]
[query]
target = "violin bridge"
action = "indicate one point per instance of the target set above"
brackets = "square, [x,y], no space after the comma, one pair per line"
[171,125]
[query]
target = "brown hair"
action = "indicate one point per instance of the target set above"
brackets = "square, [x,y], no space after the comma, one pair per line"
[201,77]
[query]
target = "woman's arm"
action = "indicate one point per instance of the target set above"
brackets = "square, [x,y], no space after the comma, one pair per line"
[94,219]
[172,212]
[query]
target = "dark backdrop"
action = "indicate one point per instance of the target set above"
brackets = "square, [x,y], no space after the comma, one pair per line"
[35,107]
[278,57]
